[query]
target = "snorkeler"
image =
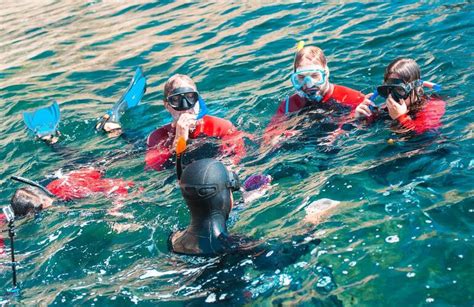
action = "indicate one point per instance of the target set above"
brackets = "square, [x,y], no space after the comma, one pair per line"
[190,121]
[310,79]
[207,187]
[405,99]
[74,185]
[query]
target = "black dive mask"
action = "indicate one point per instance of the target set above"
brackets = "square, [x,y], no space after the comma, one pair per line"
[398,89]
[183,98]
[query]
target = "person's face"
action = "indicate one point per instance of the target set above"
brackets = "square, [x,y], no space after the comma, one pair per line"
[46,201]
[175,113]
[408,100]
[308,65]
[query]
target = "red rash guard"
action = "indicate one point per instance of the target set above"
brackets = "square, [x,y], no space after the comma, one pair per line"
[160,141]
[85,182]
[428,118]
[340,94]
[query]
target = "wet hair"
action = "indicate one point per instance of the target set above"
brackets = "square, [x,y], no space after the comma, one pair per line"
[408,71]
[404,69]
[311,53]
[176,81]
[26,200]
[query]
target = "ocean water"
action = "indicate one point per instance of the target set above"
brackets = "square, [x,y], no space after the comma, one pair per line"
[402,232]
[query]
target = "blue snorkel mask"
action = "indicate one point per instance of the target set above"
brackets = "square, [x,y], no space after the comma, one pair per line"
[308,81]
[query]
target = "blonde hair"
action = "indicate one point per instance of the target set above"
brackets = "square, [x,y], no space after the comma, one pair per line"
[311,53]
[176,81]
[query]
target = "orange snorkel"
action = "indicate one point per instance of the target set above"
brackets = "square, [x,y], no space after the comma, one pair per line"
[180,148]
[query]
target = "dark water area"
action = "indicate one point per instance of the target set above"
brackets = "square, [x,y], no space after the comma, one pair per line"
[403,231]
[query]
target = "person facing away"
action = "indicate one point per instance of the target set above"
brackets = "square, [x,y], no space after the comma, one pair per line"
[405,100]
[310,79]
[190,121]
[207,187]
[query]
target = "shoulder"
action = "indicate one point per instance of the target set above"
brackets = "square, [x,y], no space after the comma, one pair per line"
[343,94]
[158,135]
[434,106]
[435,102]
[217,122]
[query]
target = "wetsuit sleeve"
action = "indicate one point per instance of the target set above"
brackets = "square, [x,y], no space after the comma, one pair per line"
[428,118]
[347,96]
[158,149]
[232,139]
[274,128]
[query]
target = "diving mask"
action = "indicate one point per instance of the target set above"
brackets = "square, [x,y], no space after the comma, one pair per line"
[183,98]
[311,77]
[307,82]
[397,88]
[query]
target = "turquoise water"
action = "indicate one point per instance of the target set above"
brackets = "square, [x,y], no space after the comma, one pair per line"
[418,191]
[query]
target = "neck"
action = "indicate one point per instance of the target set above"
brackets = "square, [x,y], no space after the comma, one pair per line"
[329,91]
[211,227]
[202,237]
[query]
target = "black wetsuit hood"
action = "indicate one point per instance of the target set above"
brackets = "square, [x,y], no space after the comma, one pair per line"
[206,186]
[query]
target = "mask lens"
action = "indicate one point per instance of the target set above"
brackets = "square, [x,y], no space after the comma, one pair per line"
[308,78]
[183,101]
[384,90]
[399,92]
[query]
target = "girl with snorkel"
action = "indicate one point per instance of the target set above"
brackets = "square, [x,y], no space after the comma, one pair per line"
[405,99]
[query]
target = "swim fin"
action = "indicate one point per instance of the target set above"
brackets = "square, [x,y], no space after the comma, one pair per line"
[132,96]
[44,121]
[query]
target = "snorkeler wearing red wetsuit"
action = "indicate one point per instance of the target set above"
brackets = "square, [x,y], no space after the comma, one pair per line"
[310,79]
[190,121]
[74,185]
[406,102]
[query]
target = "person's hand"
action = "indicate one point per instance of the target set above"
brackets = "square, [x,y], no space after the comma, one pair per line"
[396,109]
[363,109]
[51,139]
[113,129]
[186,123]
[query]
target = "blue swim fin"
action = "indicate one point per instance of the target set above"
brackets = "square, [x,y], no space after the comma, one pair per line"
[43,121]
[132,96]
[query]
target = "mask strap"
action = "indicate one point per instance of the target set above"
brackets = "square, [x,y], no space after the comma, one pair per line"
[202,108]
